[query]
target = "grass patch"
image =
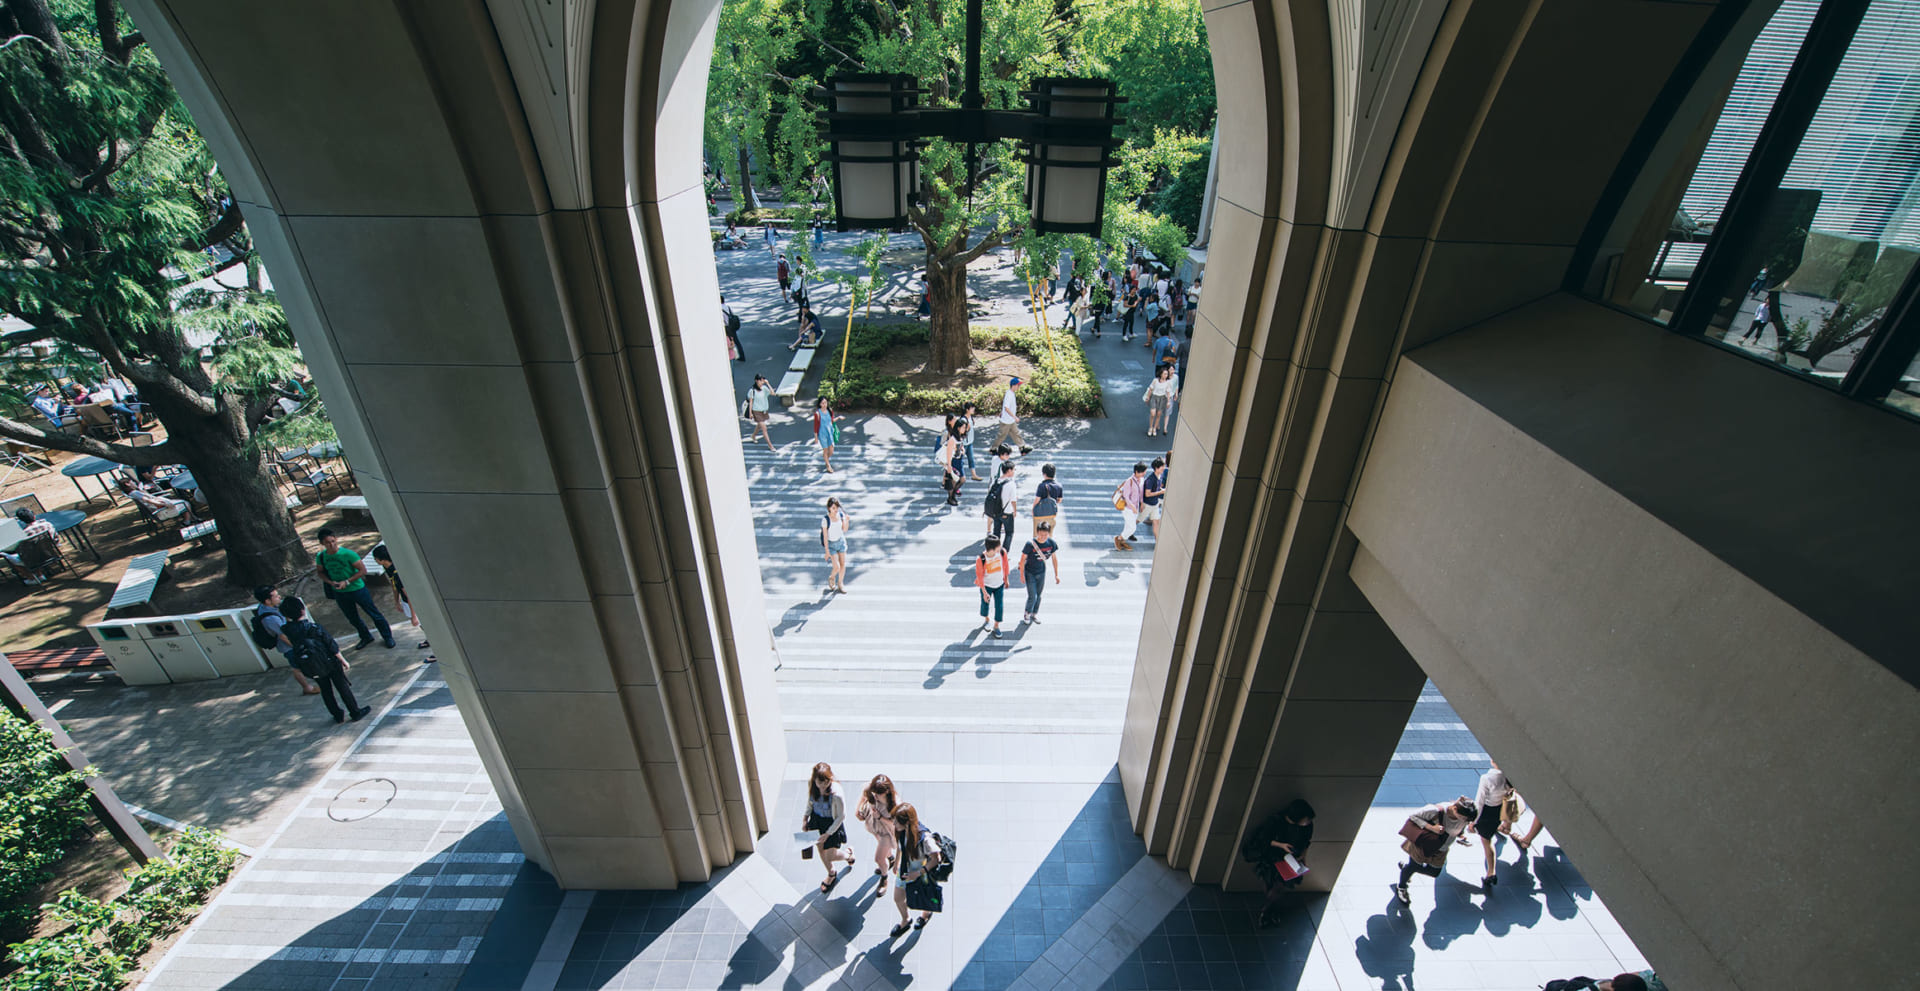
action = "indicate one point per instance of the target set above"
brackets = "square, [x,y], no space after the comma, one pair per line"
[886,373]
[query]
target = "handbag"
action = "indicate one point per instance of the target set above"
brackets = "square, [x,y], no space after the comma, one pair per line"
[1416,833]
[1510,809]
[924,895]
[1119,502]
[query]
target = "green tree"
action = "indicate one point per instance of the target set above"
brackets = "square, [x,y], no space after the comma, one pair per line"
[112,216]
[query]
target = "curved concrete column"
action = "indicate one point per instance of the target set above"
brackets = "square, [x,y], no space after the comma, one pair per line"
[476,258]
[1264,674]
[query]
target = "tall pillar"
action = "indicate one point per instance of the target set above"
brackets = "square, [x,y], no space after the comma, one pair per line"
[481,285]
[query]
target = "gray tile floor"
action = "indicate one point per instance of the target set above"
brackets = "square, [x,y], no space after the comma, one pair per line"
[1007,745]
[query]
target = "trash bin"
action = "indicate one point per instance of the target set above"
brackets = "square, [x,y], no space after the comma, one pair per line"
[173,646]
[126,650]
[224,636]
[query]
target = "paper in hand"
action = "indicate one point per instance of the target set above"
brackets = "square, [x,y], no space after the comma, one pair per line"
[1290,867]
[806,837]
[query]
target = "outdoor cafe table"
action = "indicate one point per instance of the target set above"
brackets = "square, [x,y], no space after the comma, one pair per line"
[89,467]
[70,523]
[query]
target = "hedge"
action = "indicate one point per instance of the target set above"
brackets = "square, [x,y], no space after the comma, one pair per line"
[43,811]
[103,941]
[1071,391]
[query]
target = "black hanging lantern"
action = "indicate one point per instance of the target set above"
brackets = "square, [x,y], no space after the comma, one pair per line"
[1067,160]
[874,151]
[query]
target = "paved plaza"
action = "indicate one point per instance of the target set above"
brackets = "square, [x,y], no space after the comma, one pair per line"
[381,859]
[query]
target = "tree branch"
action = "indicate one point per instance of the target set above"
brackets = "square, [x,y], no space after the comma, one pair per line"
[140,457]
[107,21]
[227,226]
[998,238]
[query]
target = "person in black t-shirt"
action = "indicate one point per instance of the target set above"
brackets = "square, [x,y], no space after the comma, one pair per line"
[1033,568]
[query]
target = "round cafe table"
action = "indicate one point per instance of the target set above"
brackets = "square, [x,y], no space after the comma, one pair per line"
[90,467]
[70,523]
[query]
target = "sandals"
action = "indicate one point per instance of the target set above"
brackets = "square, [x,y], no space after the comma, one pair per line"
[828,885]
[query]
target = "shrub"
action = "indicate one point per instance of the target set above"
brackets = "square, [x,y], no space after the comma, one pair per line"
[1071,391]
[102,941]
[42,812]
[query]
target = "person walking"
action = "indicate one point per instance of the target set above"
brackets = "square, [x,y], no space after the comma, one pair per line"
[1160,396]
[952,442]
[1153,489]
[1046,500]
[344,575]
[918,856]
[1429,833]
[1127,498]
[318,657]
[826,814]
[271,621]
[990,577]
[1080,305]
[877,802]
[819,230]
[730,324]
[1129,310]
[402,604]
[825,431]
[1761,314]
[1033,568]
[834,528]
[1166,349]
[759,405]
[1010,418]
[1076,293]
[971,413]
[1000,506]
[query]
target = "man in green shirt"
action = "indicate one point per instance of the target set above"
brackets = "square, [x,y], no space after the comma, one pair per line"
[345,577]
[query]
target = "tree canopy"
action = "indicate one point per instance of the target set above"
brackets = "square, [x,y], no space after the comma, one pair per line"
[124,253]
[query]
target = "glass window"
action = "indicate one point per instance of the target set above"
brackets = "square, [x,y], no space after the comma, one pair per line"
[1836,240]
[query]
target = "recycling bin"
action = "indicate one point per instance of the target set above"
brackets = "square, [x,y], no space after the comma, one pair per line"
[126,649]
[225,637]
[172,644]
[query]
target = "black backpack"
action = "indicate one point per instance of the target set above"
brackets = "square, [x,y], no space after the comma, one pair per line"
[993,505]
[733,323]
[947,850]
[261,638]
[1572,984]
[309,654]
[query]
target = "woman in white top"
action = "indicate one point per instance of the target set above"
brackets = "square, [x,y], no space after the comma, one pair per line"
[1160,396]
[1492,794]
[876,810]
[827,815]
[759,401]
[970,413]
[834,527]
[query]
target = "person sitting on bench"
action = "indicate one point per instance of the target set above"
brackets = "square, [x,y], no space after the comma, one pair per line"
[809,330]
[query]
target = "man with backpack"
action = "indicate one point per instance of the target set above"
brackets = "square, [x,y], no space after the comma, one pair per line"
[1643,981]
[315,653]
[1000,506]
[266,632]
[784,272]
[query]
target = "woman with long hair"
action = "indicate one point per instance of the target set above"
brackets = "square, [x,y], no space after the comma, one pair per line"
[827,814]
[1160,396]
[970,413]
[825,431]
[917,855]
[759,402]
[876,807]
[834,527]
[954,450]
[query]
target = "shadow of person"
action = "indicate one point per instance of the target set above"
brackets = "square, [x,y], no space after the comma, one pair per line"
[795,619]
[1386,951]
[955,656]
[1454,914]
[760,956]
[1561,903]
[1512,902]
[1105,568]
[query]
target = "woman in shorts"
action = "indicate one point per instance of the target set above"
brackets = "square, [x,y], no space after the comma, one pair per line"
[827,815]
[833,539]
[1160,396]
[759,401]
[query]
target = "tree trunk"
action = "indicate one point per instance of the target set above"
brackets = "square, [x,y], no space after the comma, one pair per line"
[743,195]
[255,528]
[948,328]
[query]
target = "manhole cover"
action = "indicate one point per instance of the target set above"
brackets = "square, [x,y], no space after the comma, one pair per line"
[361,799]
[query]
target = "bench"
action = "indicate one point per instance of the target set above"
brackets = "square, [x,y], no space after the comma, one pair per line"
[351,503]
[789,390]
[137,585]
[203,533]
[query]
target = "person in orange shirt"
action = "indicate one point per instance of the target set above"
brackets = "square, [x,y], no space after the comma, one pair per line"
[990,577]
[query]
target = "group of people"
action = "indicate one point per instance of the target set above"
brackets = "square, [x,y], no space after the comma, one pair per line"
[913,858]
[1134,295]
[111,393]
[284,623]
[1430,832]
